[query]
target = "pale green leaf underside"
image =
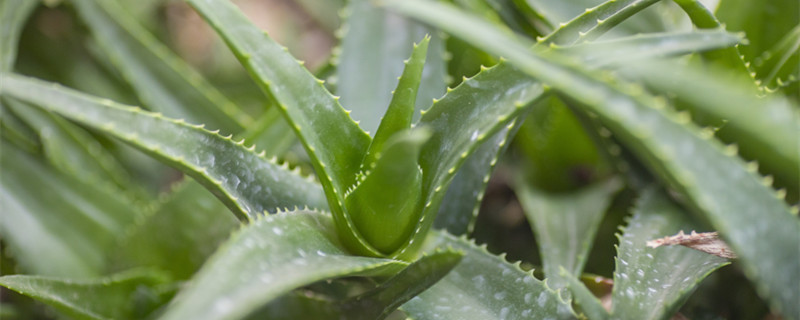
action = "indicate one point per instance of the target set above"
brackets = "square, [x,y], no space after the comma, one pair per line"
[373,48]
[54,223]
[246,182]
[756,222]
[163,81]
[128,295]
[653,283]
[565,224]
[268,258]
[484,286]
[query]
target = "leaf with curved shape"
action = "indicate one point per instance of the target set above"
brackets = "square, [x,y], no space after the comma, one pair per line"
[485,286]
[55,224]
[565,224]
[246,182]
[13,15]
[133,294]
[373,45]
[654,283]
[179,235]
[753,218]
[334,142]
[162,81]
[777,67]
[594,22]
[265,260]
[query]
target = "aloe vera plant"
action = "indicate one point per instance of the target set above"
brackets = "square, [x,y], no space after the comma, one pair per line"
[133,186]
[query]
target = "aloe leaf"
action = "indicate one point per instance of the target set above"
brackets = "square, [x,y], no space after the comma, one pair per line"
[179,235]
[333,141]
[74,151]
[754,219]
[270,133]
[161,80]
[485,286]
[414,279]
[401,109]
[584,299]
[594,22]
[462,201]
[65,229]
[623,50]
[373,45]
[384,204]
[764,23]
[652,283]
[127,295]
[765,129]
[266,259]
[13,15]
[246,182]
[778,66]
[565,224]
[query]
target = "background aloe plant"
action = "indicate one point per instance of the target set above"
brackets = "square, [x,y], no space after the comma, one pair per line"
[223,196]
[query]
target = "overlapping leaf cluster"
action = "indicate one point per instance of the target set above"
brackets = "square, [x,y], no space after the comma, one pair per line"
[595,97]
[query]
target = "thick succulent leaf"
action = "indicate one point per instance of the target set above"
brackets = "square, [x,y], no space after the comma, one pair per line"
[587,303]
[129,295]
[270,133]
[416,278]
[13,15]
[54,223]
[161,80]
[764,22]
[764,128]
[653,283]
[246,182]
[401,109]
[266,259]
[462,200]
[179,235]
[565,224]
[72,150]
[751,216]
[593,22]
[623,50]
[484,286]
[333,141]
[384,205]
[777,66]
[374,44]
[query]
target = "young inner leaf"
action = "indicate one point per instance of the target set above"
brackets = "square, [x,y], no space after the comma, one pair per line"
[385,204]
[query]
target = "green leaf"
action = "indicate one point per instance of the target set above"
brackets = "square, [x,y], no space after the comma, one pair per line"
[765,23]
[777,66]
[266,259]
[485,286]
[653,283]
[161,80]
[74,151]
[401,109]
[369,62]
[416,278]
[752,217]
[565,224]
[13,15]
[179,235]
[56,224]
[384,205]
[625,49]
[764,128]
[592,22]
[334,143]
[133,294]
[584,299]
[246,182]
